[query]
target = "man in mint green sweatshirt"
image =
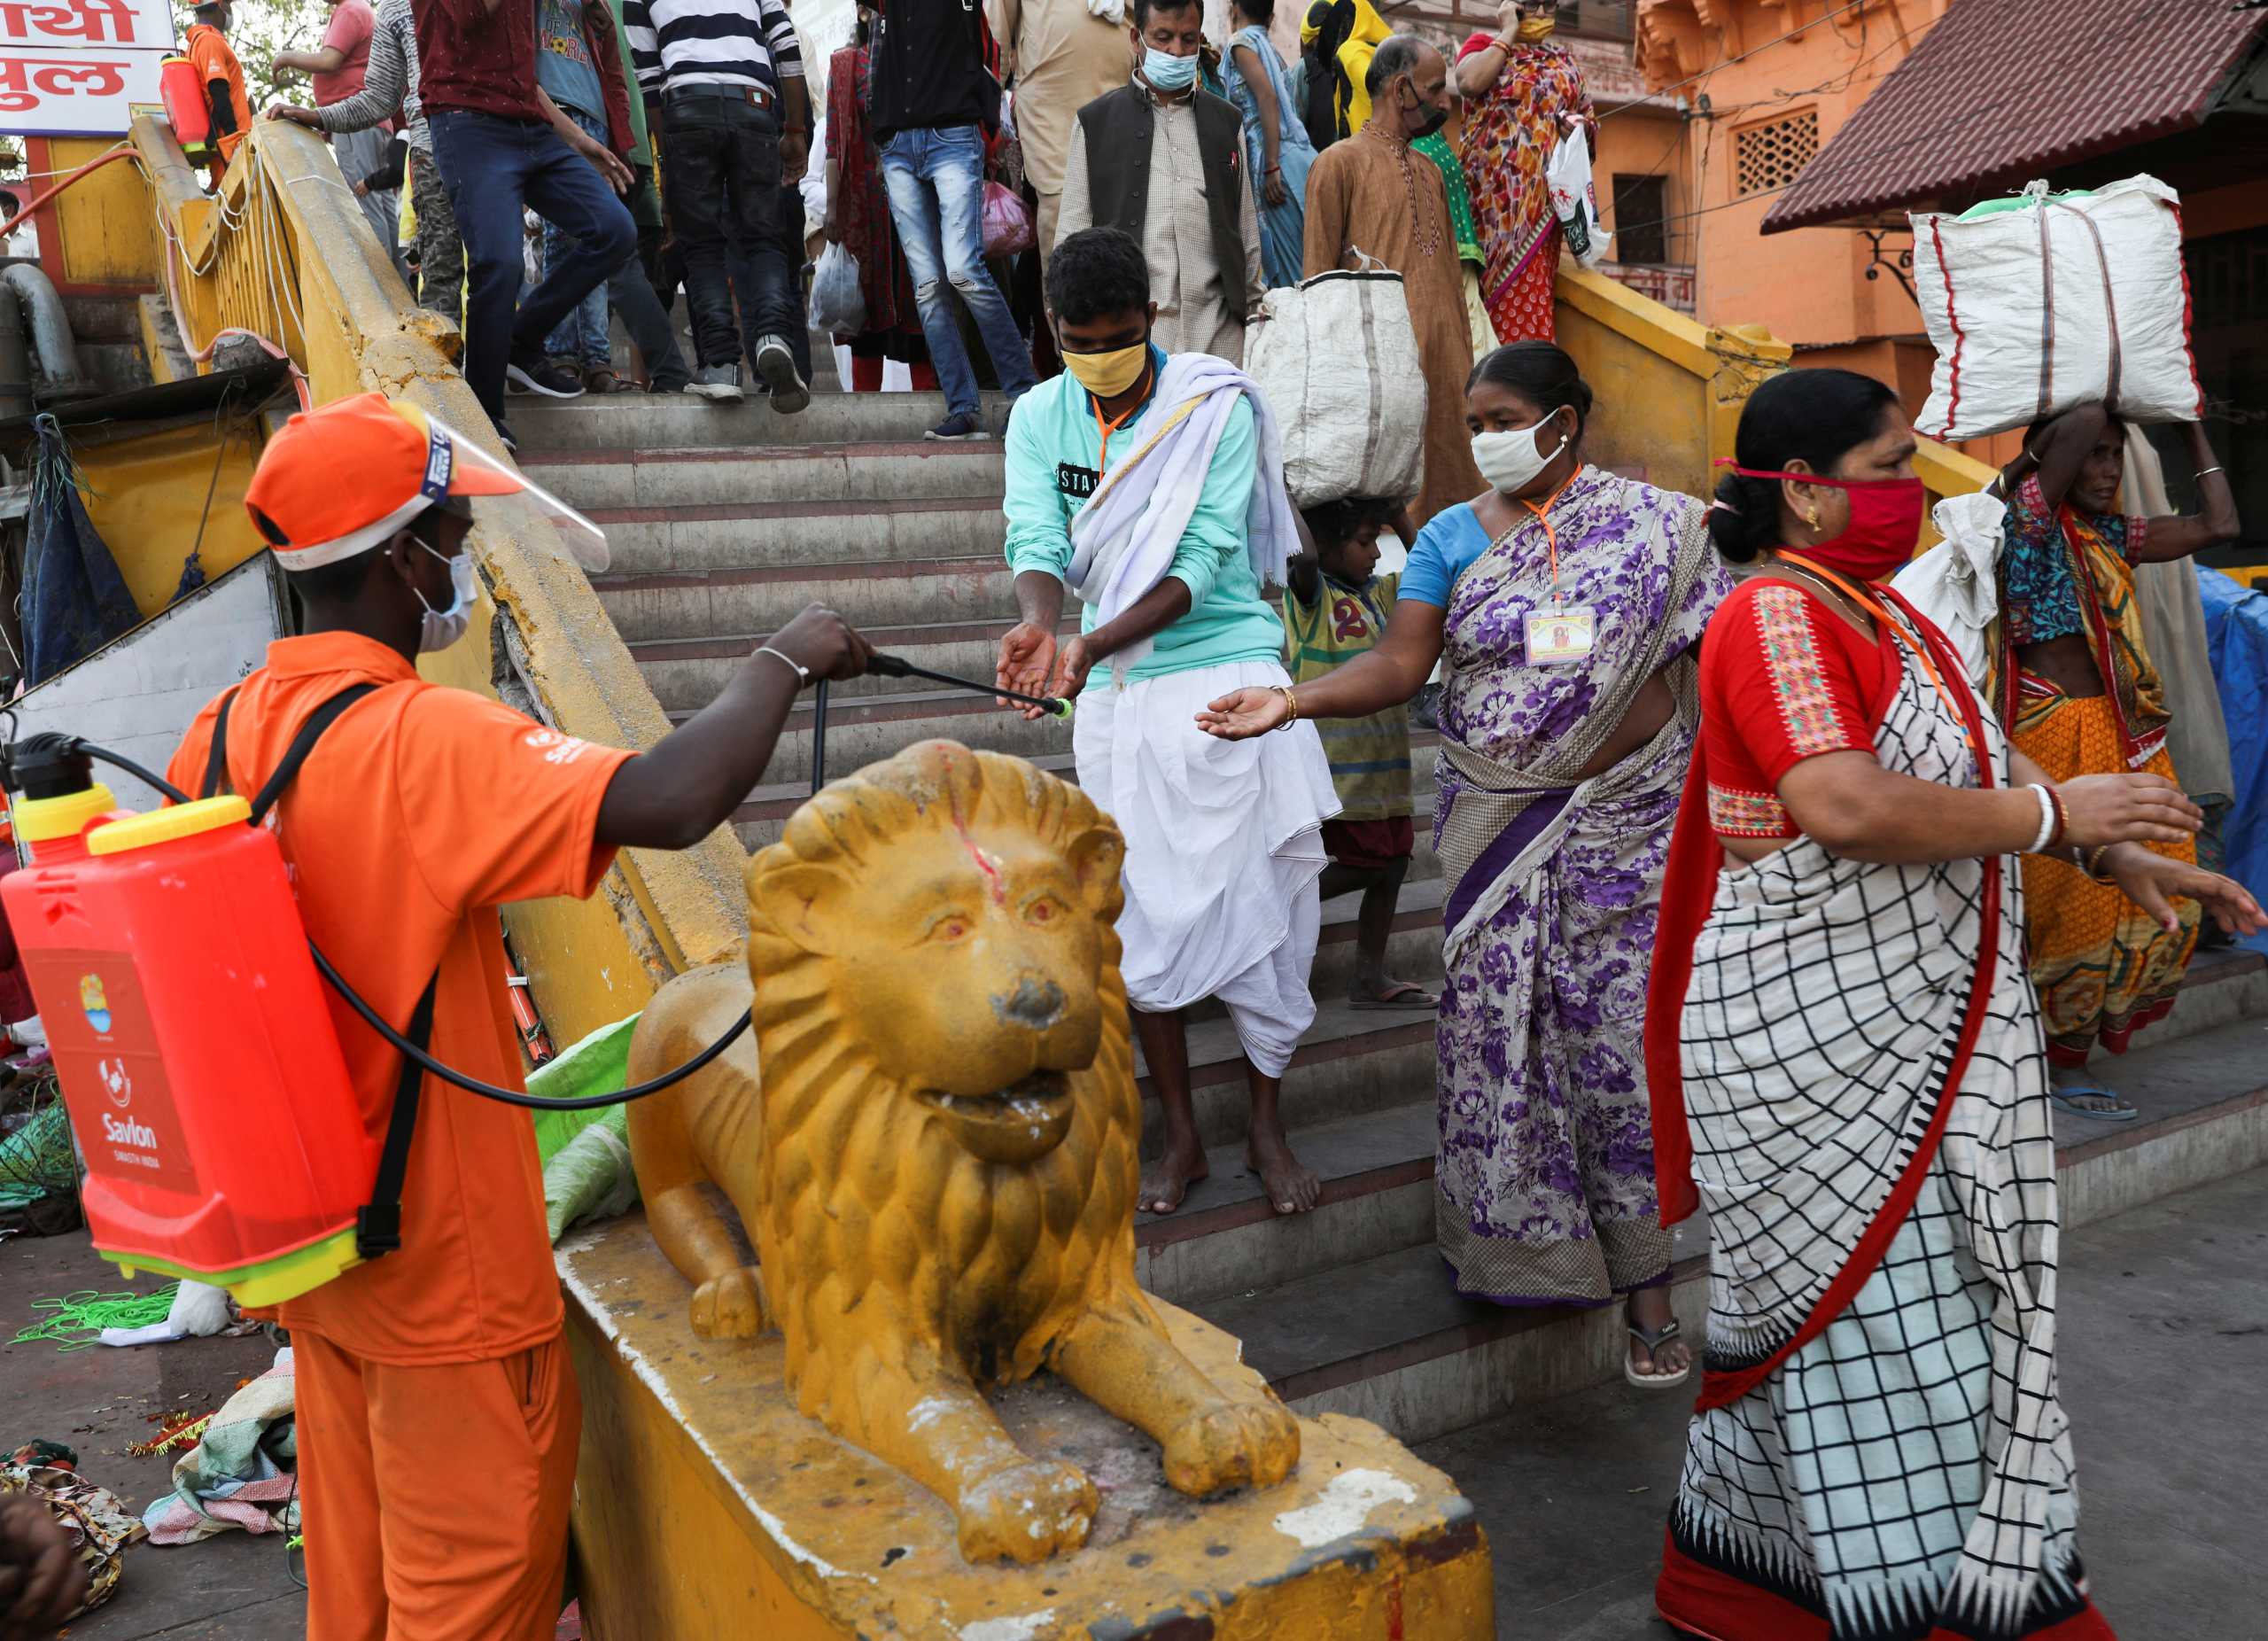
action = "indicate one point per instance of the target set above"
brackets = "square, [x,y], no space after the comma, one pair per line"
[1223,840]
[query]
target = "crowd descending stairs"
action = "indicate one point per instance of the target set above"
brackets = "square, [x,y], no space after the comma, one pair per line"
[725,522]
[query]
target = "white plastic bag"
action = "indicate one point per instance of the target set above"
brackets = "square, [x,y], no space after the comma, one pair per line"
[2045,301]
[837,308]
[1338,362]
[1573,197]
[1956,582]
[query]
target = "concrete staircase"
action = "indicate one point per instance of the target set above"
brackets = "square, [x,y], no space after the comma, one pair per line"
[725,522]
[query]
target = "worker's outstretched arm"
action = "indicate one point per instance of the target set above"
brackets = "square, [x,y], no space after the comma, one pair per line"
[689,784]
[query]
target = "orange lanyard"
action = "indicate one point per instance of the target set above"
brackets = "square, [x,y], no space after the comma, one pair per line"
[1105,429]
[1551,536]
[1897,629]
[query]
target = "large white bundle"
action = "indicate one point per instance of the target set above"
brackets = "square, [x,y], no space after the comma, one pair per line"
[2054,301]
[1338,363]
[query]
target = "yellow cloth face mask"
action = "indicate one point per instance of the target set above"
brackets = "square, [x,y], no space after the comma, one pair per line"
[1535,31]
[1106,375]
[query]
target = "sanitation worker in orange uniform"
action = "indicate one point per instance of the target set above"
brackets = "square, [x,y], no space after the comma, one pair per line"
[438,1413]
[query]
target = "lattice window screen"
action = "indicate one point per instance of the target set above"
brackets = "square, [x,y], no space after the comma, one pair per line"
[1770,156]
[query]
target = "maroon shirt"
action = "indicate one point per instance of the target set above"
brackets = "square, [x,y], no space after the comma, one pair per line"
[469,56]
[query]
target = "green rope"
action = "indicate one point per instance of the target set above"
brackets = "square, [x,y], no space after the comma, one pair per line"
[74,1320]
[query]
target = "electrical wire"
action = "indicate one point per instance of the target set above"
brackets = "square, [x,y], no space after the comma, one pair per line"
[1848,5]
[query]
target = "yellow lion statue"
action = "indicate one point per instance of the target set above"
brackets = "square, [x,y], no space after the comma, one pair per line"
[939,1168]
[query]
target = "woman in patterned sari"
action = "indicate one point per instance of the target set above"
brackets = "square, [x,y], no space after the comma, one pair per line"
[857,216]
[1523,95]
[1568,602]
[2078,688]
[1848,1073]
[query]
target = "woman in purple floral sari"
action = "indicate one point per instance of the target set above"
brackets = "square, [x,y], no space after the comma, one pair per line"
[1570,604]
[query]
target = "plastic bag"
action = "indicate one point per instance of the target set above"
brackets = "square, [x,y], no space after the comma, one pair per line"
[1008,225]
[837,307]
[591,1176]
[1573,197]
[1338,362]
[2045,302]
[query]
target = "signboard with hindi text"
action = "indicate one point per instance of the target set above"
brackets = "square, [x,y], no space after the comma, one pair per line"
[79,67]
[76,91]
[73,25]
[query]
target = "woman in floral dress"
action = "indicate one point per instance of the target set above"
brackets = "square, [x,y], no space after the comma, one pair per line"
[857,216]
[1568,603]
[1524,95]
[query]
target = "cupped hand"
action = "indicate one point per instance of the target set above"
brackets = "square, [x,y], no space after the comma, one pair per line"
[1027,658]
[2126,809]
[824,643]
[1243,713]
[1073,662]
[2153,882]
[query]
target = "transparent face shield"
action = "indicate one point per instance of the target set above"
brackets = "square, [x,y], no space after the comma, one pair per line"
[459,466]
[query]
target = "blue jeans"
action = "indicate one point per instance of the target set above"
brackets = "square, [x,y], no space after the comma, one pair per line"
[582,337]
[936,180]
[492,168]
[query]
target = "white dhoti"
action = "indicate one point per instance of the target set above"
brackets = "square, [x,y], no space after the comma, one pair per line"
[1223,846]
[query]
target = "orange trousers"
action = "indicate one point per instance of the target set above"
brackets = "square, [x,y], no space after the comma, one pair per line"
[435,1498]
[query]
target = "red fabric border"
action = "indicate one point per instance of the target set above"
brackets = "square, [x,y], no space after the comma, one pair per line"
[1698,1599]
[1960,337]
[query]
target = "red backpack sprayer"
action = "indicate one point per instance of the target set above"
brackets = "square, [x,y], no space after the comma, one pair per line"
[205,1081]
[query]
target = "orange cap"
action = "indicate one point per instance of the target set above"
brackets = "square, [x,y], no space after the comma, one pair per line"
[341,478]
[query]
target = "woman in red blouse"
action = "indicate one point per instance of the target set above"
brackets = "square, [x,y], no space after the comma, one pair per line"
[1847,1069]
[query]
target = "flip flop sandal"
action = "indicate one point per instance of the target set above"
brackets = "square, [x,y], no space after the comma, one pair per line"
[605,381]
[1402,995]
[1654,1341]
[2068,1095]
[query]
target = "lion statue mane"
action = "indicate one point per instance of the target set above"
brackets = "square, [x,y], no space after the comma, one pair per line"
[938,1165]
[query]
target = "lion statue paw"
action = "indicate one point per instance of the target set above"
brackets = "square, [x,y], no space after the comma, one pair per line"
[731,1306]
[1026,1512]
[1234,1444]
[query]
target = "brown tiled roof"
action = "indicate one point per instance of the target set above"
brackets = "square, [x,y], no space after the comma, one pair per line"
[2013,89]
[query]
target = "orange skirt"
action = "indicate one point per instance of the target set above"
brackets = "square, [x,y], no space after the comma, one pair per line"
[2103,968]
[1525,307]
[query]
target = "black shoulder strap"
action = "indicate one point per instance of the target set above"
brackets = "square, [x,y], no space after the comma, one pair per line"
[378,1224]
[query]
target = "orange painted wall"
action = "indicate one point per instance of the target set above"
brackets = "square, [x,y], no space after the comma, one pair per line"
[1766,61]
[1641,141]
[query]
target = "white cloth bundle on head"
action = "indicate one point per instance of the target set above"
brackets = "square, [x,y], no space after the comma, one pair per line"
[1123,542]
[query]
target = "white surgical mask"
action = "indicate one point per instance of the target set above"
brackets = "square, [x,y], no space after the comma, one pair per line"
[1512,459]
[444,627]
[1167,73]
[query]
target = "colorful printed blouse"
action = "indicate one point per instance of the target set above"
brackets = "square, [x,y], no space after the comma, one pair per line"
[2041,599]
[1783,679]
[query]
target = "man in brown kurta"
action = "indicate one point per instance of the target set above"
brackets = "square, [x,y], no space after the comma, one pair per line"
[1372,194]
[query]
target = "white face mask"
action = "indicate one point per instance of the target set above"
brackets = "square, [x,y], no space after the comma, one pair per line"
[444,627]
[1512,459]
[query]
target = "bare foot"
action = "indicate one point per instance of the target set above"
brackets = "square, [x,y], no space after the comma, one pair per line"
[1166,1181]
[1292,1185]
[1387,993]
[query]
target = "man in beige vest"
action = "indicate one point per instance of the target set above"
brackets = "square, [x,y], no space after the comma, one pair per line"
[1064,54]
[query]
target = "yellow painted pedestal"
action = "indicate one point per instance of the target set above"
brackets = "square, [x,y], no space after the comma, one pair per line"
[707,1507]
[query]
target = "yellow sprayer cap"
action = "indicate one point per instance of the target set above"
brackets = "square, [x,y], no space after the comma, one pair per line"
[43,820]
[162,826]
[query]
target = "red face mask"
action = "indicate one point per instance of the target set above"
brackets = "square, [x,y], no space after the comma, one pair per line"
[1885,524]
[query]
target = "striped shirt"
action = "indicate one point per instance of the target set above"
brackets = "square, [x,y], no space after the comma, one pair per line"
[1370,757]
[676,43]
[389,82]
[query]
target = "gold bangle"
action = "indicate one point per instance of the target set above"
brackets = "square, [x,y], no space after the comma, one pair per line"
[1291,701]
[2090,863]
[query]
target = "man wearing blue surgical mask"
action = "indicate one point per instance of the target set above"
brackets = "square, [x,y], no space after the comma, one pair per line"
[1161,159]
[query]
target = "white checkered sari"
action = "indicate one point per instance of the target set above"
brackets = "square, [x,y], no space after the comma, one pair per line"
[1909,1467]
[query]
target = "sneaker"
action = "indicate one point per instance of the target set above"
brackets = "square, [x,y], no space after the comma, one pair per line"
[958,429]
[777,366]
[719,382]
[546,377]
[672,384]
[511,445]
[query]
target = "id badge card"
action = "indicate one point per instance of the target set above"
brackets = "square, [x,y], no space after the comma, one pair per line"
[1561,637]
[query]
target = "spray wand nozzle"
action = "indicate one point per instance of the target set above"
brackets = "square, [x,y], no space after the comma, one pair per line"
[896,666]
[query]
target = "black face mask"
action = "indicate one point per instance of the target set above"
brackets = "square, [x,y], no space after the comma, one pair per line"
[1435,119]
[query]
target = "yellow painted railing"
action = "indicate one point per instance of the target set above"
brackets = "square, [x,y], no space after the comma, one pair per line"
[285,253]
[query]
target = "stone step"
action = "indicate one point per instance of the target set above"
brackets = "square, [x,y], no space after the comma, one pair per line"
[733,535]
[761,599]
[623,476]
[1379,1332]
[677,421]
